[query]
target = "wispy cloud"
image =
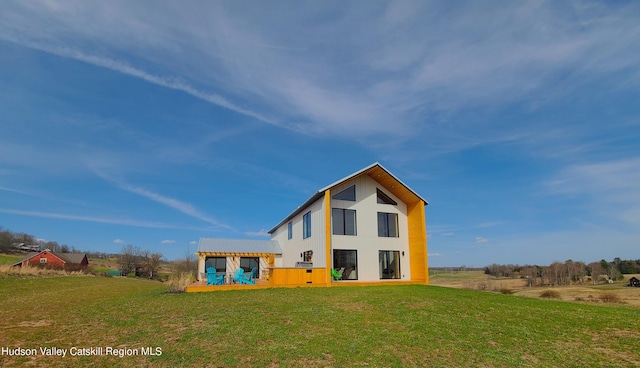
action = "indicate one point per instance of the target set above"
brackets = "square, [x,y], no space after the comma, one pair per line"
[398,63]
[262,232]
[480,240]
[167,241]
[104,220]
[186,208]
[118,241]
[608,187]
[447,234]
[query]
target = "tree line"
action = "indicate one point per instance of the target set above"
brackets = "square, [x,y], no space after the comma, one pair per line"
[568,273]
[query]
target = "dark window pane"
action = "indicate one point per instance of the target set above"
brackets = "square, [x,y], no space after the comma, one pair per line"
[338,221]
[348,194]
[382,224]
[385,199]
[389,264]
[306,225]
[350,222]
[346,261]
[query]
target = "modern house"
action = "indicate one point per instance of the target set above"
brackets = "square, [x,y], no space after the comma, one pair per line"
[49,259]
[368,227]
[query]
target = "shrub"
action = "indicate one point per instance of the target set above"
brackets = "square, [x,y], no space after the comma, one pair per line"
[610,298]
[179,282]
[550,294]
[505,291]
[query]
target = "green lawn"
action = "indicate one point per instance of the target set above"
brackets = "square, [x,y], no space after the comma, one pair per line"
[347,326]
[10,258]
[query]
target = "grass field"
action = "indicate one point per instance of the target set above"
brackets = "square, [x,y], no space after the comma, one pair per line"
[376,326]
[10,258]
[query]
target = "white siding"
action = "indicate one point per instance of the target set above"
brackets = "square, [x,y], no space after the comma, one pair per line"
[291,248]
[367,243]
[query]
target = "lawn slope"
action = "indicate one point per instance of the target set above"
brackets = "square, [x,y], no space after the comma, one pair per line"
[377,326]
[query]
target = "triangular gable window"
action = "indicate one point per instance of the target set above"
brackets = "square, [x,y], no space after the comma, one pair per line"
[348,194]
[385,199]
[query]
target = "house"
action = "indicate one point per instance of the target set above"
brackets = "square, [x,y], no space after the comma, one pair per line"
[49,259]
[368,227]
[634,281]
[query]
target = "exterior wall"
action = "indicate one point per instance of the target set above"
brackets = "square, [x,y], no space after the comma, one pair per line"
[233,263]
[52,261]
[291,248]
[298,276]
[366,242]
[418,242]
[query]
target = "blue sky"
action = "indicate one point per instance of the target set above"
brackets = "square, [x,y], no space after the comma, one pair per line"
[156,123]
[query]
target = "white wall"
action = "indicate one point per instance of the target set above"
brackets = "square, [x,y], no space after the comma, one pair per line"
[291,248]
[366,242]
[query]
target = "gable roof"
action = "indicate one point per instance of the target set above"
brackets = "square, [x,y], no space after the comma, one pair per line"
[376,172]
[218,245]
[72,257]
[64,257]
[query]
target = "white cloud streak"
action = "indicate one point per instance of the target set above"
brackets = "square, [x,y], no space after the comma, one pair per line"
[103,220]
[262,232]
[397,62]
[186,208]
[167,241]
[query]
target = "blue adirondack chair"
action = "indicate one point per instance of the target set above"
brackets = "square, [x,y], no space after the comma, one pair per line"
[239,275]
[212,278]
[250,278]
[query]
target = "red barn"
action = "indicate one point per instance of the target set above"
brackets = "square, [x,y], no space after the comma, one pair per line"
[49,259]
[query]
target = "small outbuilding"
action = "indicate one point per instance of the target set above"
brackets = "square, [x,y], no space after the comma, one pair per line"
[634,281]
[49,259]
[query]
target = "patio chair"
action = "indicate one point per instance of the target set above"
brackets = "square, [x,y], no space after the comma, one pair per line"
[212,278]
[337,274]
[239,275]
[249,279]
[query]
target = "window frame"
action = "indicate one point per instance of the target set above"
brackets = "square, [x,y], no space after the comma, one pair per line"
[396,262]
[385,232]
[246,269]
[290,230]
[215,263]
[347,192]
[337,261]
[343,215]
[384,198]
[306,225]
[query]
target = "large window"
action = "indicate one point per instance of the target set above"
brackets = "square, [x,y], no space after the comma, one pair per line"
[219,263]
[389,264]
[306,225]
[348,194]
[248,263]
[346,262]
[388,225]
[344,221]
[289,230]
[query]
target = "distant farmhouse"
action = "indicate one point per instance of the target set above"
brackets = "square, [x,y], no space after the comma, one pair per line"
[49,259]
[368,227]
[634,281]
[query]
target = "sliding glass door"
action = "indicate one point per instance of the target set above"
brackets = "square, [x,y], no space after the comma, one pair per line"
[389,264]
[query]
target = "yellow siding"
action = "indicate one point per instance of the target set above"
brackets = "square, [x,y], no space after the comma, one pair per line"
[418,242]
[297,276]
[327,227]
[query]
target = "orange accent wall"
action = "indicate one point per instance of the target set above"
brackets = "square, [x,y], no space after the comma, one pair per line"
[327,235]
[418,242]
[297,276]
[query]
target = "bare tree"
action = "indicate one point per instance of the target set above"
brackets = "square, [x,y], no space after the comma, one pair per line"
[151,262]
[128,259]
